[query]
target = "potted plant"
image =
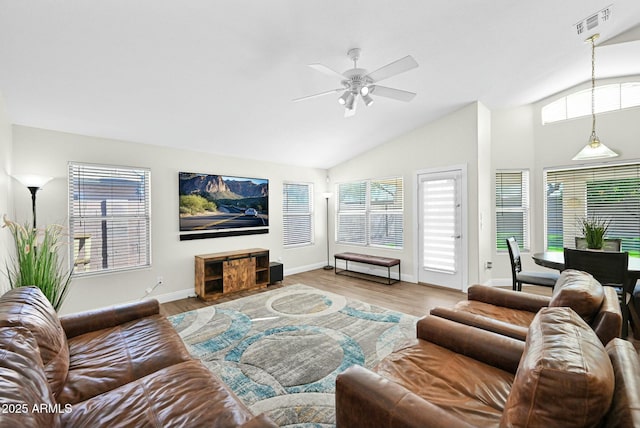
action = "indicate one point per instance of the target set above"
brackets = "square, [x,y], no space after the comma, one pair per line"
[594,229]
[36,261]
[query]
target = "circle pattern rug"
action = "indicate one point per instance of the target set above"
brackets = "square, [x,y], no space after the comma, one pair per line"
[280,351]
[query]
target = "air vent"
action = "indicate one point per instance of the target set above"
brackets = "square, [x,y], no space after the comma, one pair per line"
[594,22]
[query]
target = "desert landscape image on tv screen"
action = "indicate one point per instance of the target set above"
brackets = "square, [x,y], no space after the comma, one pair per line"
[218,202]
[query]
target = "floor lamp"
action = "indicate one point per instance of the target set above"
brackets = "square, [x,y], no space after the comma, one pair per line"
[326,196]
[33,183]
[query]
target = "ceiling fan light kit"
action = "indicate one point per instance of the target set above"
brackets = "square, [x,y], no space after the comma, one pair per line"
[357,82]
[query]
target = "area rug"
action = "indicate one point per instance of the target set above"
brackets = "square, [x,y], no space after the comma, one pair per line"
[280,351]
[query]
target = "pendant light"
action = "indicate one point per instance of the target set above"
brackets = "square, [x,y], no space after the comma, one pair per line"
[594,148]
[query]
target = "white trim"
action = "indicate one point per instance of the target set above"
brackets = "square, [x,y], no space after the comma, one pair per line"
[305,268]
[463,221]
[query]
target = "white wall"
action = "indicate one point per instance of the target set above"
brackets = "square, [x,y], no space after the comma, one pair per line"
[452,140]
[484,188]
[556,143]
[48,152]
[520,141]
[5,190]
[512,147]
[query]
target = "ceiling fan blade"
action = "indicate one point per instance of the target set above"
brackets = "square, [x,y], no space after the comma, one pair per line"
[333,91]
[400,66]
[326,70]
[396,94]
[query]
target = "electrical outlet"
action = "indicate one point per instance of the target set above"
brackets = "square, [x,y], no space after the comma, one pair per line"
[149,290]
[160,280]
[489,265]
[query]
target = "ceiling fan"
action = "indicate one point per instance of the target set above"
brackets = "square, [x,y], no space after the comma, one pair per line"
[357,81]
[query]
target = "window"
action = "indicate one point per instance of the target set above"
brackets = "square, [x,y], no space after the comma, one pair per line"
[370,212]
[609,192]
[109,218]
[297,208]
[512,208]
[611,97]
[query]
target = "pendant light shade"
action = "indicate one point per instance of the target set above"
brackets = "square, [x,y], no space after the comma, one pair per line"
[594,148]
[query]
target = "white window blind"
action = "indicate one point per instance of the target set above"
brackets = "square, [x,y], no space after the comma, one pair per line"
[608,192]
[352,213]
[109,217]
[439,223]
[370,212]
[512,208]
[297,208]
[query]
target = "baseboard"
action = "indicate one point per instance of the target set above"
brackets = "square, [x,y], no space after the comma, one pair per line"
[499,282]
[301,269]
[174,295]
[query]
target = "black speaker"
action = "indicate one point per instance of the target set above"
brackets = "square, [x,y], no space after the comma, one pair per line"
[276,272]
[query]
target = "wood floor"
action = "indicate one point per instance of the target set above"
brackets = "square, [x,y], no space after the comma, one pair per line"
[406,297]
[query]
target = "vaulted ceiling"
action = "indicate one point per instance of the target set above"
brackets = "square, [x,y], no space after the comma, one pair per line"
[220,76]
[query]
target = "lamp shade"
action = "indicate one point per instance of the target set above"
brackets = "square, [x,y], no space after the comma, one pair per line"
[32,180]
[327,195]
[595,151]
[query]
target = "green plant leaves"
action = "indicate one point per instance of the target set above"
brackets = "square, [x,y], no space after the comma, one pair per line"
[37,262]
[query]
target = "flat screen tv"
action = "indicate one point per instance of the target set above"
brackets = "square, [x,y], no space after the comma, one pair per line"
[213,203]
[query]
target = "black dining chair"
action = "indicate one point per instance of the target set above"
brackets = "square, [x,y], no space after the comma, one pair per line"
[610,244]
[609,268]
[547,279]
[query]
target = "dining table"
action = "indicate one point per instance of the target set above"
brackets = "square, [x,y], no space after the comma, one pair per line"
[555,260]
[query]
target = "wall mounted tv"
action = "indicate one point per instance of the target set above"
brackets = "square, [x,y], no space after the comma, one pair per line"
[221,205]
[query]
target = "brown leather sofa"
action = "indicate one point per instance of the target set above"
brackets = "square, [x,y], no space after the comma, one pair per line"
[123,366]
[455,375]
[510,312]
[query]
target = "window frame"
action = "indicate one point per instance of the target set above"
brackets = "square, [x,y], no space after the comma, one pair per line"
[626,95]
[605,172]
[310,214]
[143,215]
[366,210]
[524,208]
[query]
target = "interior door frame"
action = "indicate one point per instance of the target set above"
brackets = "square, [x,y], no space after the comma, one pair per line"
[464,227]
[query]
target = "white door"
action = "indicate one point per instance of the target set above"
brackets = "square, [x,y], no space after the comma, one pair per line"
[441,241]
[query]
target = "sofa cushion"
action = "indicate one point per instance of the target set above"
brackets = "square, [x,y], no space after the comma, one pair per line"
[502,313]
[23,383]
[579,291]
[108,358]
[185,394]
[471,390]
[565,377]
[29,308]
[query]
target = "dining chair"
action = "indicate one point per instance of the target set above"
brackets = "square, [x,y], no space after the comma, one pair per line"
[610,268]
[519,277]
[610,244]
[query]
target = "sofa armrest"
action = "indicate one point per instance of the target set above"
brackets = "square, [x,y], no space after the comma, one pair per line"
[488,347]
[607,322]
[508,298]
[485,323]
[366,399]
[84,322]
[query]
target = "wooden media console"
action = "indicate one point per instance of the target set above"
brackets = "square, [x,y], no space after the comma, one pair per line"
[218,274]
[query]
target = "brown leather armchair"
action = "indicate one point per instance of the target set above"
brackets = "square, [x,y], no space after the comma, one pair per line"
[510,313]
[456,375]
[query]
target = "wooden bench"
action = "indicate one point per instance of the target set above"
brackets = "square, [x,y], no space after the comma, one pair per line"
[367,259]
